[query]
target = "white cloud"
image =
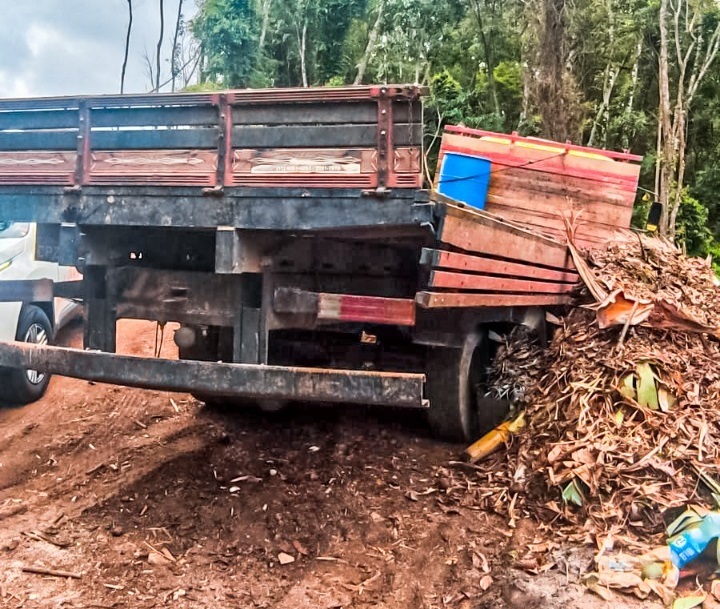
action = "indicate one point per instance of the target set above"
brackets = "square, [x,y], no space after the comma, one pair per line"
[69,47]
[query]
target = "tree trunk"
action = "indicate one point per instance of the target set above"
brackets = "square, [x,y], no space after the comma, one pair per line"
[158,54]
[667,167]
[604,109]
[265,21]
[303,46]
[633,87]
[488,52]
[372,41]
[127,47]
[175,61]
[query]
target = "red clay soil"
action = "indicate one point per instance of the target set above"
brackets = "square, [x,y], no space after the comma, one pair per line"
[152,499]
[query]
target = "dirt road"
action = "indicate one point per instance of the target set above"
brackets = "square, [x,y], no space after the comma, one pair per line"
[151,499]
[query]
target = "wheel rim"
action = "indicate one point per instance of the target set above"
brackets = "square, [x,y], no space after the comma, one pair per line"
[37,335]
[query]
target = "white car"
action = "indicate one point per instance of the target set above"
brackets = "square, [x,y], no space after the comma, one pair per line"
[26,321]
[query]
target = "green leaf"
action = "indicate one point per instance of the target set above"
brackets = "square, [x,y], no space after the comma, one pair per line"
[628,387]
[572,494]
[688,602]
[619,417]
[647,394]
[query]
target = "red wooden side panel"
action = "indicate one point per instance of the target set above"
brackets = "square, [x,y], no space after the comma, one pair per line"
[432,300]
[153,167]
[37,167]
[536,182]
[501,264]
[478,232]
[348,137]
[366,309]
[440,259]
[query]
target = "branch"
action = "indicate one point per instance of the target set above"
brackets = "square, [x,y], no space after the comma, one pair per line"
[127,47]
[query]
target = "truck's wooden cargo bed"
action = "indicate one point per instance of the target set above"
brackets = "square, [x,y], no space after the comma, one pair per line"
[482,261]
[536,182]
[352,137]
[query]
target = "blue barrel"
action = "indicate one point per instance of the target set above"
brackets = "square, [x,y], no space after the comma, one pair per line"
[465,178]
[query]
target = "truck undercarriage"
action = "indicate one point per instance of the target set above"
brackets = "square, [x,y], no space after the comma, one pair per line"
[287,234]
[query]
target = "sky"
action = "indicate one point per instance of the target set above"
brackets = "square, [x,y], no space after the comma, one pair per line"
[74,47]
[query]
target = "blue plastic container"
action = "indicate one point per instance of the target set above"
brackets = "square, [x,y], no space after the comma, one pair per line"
[465,178]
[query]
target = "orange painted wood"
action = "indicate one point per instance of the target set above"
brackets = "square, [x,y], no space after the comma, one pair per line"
[37,167]
[478,232]
[157,167]
[546,157]
[463,281]
[581,190]
[435,300]
[477,264]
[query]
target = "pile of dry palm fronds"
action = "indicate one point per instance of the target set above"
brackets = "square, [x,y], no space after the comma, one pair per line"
[623,407]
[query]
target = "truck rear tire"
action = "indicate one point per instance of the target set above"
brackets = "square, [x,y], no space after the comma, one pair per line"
[454,379]
[26,386]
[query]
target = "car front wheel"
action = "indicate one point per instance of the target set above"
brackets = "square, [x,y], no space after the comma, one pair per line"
[26,386]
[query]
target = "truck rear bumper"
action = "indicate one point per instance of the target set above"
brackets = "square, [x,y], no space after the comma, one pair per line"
[212,378]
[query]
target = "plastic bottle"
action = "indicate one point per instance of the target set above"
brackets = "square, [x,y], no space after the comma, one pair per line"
[691,542]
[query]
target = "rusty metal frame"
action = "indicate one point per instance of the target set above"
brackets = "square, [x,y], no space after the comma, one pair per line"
[232,380]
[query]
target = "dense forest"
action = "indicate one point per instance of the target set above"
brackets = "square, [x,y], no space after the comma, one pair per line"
[622,74]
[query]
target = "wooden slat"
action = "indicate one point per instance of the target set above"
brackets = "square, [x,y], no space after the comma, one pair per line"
[478,264]
[463,281]
[40,119]
[600,213]
[544,159]
[434,300]
[555,221]
[511,180]
[347,136]
[154,139]
[306,114]
[480,233]
[166,116]
[38,140]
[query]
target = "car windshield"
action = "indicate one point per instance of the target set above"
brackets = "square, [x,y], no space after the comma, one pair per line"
[13,230]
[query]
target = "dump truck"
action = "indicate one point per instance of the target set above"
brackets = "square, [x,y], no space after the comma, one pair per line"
[287,235]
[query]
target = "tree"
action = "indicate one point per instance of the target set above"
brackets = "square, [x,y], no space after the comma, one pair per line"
[229,38]
[684,26]
[127,46]
[158,55]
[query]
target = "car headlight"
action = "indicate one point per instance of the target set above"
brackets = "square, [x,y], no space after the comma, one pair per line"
[5,265]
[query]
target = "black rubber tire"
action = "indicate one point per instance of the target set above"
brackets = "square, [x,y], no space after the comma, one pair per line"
[453,375]
[16,387]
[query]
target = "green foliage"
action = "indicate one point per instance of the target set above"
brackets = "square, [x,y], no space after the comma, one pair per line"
[693,230]
[228,33]
[482,60]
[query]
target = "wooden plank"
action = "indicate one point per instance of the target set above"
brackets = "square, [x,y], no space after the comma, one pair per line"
[153,139]
[40,119]
[545,157]
[435,300]
[38,140]
[480,233]
[196,167]
[554,221]
[581,189]
[307,114]
[479,264]
[321,136]
[553,211]
[285,136]
[37,167]
[519,139]
[463,281]
[162,115]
